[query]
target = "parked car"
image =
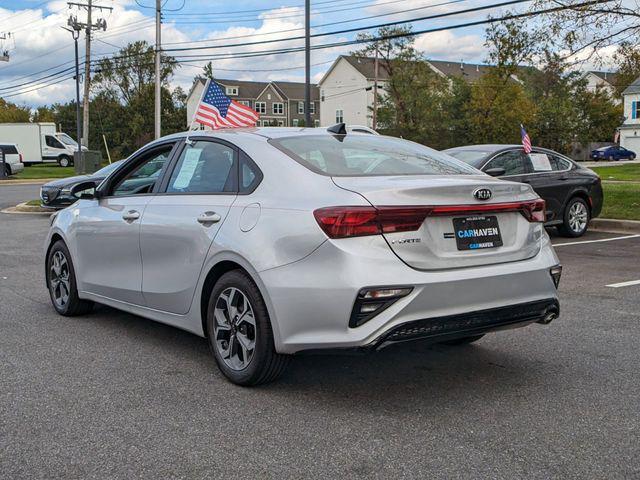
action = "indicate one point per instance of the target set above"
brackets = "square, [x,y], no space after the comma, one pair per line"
[573,193]
[270,242]
[12,159]
[613,152]
[57,193]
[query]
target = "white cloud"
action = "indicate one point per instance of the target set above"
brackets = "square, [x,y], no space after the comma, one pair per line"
[447,46]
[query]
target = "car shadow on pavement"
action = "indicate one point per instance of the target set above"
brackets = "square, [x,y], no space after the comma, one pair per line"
[415,369]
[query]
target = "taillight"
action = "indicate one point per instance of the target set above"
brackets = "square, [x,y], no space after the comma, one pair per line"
[20,158]
[343,222]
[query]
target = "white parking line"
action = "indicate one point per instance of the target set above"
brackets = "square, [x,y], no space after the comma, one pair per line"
[596,241]
[624,284]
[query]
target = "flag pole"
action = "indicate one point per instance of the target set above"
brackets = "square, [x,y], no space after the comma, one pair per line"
[193,120]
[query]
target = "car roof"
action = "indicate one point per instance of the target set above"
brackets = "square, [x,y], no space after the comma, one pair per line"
[264,132]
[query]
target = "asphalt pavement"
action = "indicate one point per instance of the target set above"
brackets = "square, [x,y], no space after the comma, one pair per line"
[112,395]
[11,195]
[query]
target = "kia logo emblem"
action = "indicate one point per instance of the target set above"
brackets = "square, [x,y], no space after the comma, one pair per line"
[482,194]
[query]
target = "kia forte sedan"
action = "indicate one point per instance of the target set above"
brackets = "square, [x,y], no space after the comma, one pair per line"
[573,193]
[272,241]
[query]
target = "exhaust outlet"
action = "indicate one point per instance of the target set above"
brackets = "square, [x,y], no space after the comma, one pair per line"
[549,316]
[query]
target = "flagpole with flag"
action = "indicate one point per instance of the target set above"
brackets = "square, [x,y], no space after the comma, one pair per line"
[216,110]
[526,141]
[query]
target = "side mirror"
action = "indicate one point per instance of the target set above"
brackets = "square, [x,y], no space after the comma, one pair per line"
[84,190]
[495,172]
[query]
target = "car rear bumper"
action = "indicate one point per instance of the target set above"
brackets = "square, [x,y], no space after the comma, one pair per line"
[311,300]
[16,168]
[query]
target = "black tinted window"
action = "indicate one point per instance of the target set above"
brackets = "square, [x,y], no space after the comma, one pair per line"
[514,162]
[205,167]
[558,163]
[9,149]
[53,142]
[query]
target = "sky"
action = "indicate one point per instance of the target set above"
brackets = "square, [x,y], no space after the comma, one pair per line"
[41,50]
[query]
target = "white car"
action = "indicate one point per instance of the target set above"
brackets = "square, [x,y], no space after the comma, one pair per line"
[12,158]
[277,241]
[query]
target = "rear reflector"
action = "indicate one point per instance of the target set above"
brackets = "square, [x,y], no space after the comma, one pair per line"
[343,222]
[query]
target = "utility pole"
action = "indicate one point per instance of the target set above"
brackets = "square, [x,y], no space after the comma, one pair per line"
[307,63]
[376,63]
[75,33]
[158,106]
[4,54]
[88,27]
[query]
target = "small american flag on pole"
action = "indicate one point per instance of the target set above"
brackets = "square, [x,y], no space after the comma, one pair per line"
[216,110]
[526,141]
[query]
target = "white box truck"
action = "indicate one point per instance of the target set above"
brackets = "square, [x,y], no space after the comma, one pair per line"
[39,142]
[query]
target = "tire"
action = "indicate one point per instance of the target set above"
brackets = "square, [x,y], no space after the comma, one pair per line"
[56,283]
[7,170]
[65,161]
[463,340]
[632,157]
[575,220]
[234,302]
[611,159]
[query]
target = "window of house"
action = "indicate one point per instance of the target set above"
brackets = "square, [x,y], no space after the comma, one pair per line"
[295,122]
[278,108]
[312,108]
[339,116]
[232,90]
[300,108]
[261,107]
[246,103]
[635,110]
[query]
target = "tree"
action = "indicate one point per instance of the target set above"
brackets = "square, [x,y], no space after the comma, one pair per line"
[585,31]
[598,115]
[627,59]
[10,112]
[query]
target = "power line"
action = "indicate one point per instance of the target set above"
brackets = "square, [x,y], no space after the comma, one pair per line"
[383,37]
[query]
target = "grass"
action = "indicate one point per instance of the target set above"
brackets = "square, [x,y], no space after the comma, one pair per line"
[44,171]
[622,173]
[621,201]
[33,203]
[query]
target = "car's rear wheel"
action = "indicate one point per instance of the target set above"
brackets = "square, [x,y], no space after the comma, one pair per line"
[7,170]
[64,161]
[61,280]
[632,156]
[463,340]
[611,159]
[576,218]
[240,333]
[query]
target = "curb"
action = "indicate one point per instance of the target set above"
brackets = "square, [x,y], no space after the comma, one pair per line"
[24,209]
[615,226]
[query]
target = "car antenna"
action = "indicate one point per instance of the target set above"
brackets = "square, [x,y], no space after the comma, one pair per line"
[338,129]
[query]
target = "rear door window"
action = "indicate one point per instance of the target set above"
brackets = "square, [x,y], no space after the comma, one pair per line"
[558,163]
[9,149]
[205,167]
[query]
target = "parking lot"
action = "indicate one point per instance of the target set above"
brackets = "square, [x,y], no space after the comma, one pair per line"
[111,395]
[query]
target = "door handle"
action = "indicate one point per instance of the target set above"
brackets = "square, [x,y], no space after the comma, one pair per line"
[209,218]
[131,215]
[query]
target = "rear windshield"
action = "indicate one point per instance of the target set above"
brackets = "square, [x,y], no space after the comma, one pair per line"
[472,157]
[9,149]
[368,155]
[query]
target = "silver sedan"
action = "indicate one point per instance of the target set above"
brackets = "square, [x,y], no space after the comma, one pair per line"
[273,241]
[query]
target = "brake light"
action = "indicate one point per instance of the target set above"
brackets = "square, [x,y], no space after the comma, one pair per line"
[344,222]
[20,158]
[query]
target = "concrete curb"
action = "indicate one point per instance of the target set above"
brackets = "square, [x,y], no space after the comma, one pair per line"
[615,226]
[24,209]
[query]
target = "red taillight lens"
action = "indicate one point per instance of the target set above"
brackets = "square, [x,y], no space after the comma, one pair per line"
[343,222]
[20,157]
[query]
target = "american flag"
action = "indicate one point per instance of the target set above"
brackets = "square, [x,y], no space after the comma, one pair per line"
[216,110]
[526,141]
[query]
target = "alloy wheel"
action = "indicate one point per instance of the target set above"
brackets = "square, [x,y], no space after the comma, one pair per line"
[59,281]
[578,217]
[234,328]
